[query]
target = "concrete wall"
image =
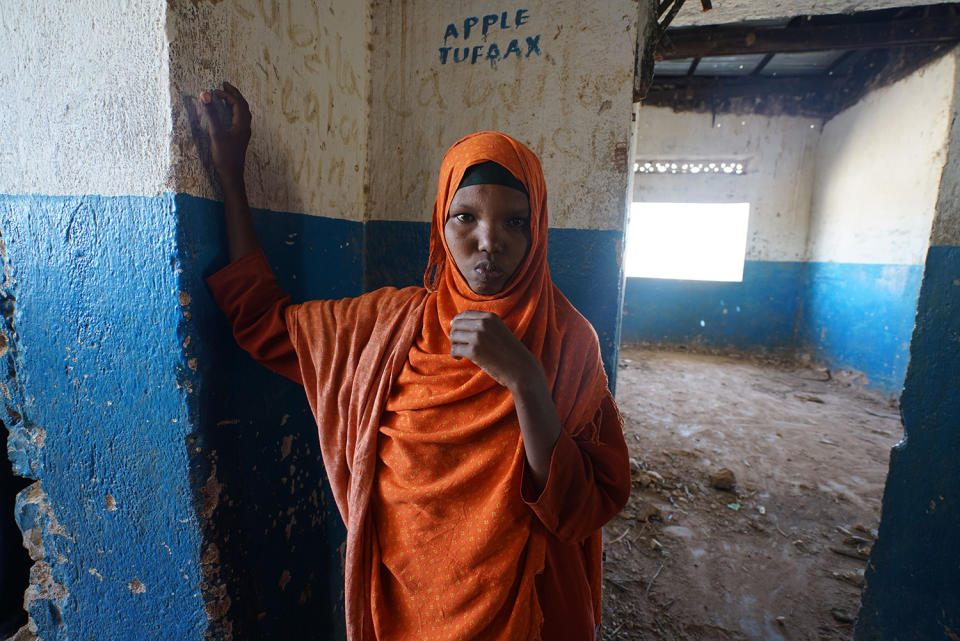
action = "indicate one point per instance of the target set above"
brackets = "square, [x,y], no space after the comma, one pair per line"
[176,480]
[878,174]
[556,75]
[272,537]
[912,588]
[91,323]
[778,153]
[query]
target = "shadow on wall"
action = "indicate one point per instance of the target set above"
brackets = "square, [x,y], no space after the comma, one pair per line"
[272,550]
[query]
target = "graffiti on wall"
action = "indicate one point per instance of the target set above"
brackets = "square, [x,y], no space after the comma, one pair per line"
[469,40]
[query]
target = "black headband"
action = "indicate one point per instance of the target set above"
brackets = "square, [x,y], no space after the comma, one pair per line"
[490,173]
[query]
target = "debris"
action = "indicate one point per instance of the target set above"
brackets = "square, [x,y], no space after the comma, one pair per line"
[841,615]
[733,506]
[863,530]
[643,479]
[625,532]
[781,620]
[853,577]
[809,397]
[655,544]
[656,477]
[723,479]
[647,511]
[861,554]
[761,509]
[856,541]
[894,417]
[656,574]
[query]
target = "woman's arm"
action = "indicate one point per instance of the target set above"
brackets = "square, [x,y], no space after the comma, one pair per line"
[483,338]
[228,144]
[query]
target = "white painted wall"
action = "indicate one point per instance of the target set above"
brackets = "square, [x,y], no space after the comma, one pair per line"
[878,171]
[946,226]
[85,107]
[571,103]
[304,69]
[778,183]
[725,11]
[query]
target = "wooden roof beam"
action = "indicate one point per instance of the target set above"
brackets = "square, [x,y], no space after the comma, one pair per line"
[702,42]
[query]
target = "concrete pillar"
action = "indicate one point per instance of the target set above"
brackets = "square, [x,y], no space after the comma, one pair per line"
[912,588]
[96,384]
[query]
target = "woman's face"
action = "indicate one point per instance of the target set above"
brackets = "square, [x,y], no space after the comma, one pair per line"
[488,235]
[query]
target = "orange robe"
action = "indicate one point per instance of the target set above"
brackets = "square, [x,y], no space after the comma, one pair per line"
[446,538]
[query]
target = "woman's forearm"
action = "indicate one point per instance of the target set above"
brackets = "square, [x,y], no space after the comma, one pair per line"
[241,236]
[539,422]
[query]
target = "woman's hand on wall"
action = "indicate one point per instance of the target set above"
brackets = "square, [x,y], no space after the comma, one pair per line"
[229,134]
[228,145]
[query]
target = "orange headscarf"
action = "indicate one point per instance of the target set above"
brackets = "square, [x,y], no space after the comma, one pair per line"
[423,451]
[456,550]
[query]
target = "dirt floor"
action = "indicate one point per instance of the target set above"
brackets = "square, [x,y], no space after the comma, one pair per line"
[781,555]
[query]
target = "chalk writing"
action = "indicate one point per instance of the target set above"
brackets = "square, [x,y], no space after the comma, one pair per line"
[492,52]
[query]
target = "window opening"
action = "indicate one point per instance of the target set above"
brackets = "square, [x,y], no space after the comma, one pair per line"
[687,241]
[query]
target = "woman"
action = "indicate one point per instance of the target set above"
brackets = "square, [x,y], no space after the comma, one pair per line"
[471,442]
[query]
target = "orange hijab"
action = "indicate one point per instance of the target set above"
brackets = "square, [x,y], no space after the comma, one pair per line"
[393,405]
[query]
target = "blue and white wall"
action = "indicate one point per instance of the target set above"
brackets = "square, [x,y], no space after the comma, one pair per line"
[879,166]
[97,418]
[178,490]
[912,588]
[557,76]
[778,153]
[839,221]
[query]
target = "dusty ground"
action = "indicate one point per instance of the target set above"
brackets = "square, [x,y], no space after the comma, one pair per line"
[775,558]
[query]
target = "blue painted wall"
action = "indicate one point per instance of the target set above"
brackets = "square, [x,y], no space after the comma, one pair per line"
[913,579]
[759,312]
[583,264]
[861,317]
[273,532]
[95,416]
[125,382]
[850,316]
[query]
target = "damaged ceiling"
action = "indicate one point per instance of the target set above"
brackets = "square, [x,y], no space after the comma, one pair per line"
[806,65]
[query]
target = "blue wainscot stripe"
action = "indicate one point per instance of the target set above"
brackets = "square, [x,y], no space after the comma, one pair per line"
[913,579]
[860,317]
[92,322]
[759,312]
[275,522]
[583,264]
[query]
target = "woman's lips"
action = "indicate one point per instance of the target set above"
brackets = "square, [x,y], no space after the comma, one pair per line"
[487,270]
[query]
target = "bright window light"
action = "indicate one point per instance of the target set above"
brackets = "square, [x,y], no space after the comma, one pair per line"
[687,241]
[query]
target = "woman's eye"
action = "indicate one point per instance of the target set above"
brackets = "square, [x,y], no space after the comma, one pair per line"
[463,218]
[518,221]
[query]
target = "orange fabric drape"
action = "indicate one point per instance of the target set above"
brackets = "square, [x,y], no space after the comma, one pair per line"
[390,403]
[460,550]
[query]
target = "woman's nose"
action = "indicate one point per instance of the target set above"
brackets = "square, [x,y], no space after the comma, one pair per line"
[489,239]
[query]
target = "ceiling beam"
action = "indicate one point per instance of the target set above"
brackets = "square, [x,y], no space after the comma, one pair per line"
[702,42]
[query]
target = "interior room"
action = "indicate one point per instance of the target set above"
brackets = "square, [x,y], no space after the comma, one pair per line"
[754,203]
[783,198]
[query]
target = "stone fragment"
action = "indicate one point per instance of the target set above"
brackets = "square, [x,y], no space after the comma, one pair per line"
[723,479]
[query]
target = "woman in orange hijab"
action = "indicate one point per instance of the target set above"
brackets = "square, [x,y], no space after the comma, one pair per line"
[471,442]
